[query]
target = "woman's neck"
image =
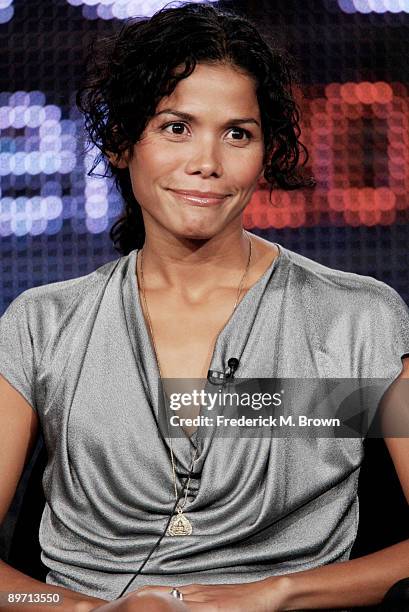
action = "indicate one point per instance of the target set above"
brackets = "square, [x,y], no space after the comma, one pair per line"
[196,265]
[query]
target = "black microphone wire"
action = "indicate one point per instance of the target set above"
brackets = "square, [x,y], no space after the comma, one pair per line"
[233,366]
[160,539]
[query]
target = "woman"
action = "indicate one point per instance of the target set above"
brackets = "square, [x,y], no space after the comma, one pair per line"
[191,108]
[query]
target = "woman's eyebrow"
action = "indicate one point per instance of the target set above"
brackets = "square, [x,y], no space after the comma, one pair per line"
[189,117]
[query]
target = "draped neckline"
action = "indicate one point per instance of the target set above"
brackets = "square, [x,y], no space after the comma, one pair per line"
[228,340]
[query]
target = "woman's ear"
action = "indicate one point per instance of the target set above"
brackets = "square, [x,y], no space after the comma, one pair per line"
[117,160]
[261,175]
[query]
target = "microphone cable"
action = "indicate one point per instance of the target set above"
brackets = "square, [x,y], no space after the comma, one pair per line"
[158,542]
[232,365]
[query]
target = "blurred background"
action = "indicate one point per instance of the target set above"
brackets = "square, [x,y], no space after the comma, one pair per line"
[354,96]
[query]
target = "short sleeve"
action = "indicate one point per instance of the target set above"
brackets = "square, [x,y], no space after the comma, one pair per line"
[387,332]
[16,349]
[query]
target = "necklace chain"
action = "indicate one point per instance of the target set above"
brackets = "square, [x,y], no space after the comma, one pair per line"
[142,285]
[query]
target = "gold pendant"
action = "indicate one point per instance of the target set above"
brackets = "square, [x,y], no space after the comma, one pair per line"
[179,525]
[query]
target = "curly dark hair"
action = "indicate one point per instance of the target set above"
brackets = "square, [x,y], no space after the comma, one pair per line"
[129,72]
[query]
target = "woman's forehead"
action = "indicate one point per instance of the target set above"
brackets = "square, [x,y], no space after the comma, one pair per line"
[210,87]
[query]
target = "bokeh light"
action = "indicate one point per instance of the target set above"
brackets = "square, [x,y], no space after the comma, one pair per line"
[334,129]
[6,11]
[119,9]
[36,141]
[374,6]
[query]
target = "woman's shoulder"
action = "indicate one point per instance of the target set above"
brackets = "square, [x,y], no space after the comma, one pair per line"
[60,295]
[359,316]
[336,286]
[47,316]
[55,309]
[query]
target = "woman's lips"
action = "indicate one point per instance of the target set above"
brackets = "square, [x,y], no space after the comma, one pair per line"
[198,200]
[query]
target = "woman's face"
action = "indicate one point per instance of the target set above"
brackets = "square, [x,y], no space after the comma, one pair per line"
[205,137]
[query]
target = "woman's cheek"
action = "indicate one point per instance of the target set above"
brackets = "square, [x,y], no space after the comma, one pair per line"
[247,178]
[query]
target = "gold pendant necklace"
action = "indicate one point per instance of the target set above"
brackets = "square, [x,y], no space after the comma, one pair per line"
[180,524]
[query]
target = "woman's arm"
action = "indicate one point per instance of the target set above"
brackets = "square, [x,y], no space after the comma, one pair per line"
[18,431]
[359,582]
[348,584]
[13,582]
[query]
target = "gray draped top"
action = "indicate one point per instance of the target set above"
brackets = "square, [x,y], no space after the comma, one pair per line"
[79,351]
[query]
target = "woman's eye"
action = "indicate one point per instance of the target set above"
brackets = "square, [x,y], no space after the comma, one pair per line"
[241,132]
[179,128]
[176,129]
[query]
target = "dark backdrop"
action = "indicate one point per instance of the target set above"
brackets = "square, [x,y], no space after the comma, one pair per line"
[54,219]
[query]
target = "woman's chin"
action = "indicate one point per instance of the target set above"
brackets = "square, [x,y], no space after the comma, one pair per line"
[197,232]
[195,235]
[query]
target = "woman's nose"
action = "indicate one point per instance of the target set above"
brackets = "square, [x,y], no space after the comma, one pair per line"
[205,159]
